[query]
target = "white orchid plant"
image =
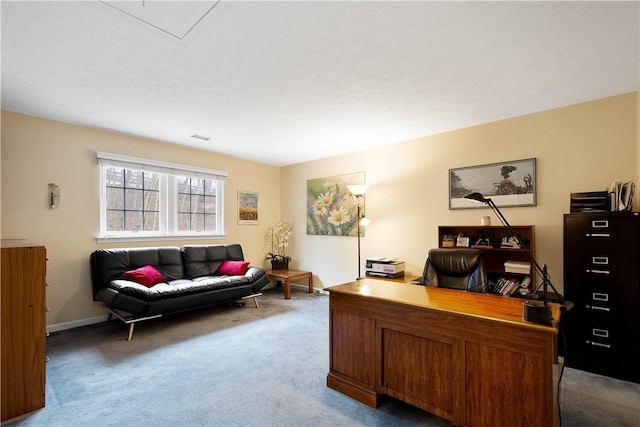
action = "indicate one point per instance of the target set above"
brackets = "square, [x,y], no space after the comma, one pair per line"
[278,236]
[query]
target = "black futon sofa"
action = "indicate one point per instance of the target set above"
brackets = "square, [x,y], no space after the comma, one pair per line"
[190,278]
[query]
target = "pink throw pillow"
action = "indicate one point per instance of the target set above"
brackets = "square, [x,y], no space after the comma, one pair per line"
[146,275]
[234,268]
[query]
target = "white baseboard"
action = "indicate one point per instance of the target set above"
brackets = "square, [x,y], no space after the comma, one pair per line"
[76,323]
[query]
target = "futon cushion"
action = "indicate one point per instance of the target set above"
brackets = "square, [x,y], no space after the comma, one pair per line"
[233,268]
[147,275]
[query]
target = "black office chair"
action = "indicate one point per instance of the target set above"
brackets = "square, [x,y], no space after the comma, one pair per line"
[456,268]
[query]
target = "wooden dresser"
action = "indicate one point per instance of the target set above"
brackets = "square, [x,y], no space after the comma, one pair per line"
[23,327]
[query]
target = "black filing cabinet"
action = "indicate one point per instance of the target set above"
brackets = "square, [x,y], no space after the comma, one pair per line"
[602,278]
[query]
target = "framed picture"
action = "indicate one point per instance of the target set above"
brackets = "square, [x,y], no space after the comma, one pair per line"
[331,208]
[510,183]
[248,207]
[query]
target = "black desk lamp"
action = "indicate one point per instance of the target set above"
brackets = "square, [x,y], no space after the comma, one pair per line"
[533,311]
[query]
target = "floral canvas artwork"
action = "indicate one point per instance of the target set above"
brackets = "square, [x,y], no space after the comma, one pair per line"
[331,209]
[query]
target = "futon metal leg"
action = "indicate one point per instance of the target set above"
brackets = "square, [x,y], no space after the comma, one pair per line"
[255,298]
[130,320]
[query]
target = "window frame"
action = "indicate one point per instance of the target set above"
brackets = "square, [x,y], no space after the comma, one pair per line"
[168,195]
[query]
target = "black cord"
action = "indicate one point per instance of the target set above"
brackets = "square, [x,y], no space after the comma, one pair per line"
[564,362]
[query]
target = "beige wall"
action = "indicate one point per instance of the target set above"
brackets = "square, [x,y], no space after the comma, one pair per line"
[582,147]
[35,152]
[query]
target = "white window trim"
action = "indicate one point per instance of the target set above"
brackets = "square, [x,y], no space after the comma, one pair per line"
[166,168]
[163,168]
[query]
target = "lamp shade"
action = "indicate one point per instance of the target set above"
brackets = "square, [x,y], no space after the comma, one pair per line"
[476,197]
[358,189]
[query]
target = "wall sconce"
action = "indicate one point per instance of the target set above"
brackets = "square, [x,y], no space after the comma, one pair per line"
[358,191]
[54,196]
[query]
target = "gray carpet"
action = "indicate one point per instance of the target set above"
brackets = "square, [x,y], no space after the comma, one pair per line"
[228,366]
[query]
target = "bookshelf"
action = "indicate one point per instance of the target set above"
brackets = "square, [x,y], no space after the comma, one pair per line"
[488,238]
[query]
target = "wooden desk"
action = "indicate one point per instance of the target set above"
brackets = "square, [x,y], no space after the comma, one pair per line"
[464,356]
[403,279]
[286,276]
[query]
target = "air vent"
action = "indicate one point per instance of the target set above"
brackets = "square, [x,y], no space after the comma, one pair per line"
[203,138]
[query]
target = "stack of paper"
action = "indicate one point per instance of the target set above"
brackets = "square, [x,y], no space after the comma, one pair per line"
[521,267]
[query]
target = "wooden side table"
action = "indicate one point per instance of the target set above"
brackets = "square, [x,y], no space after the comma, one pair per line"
[286,276]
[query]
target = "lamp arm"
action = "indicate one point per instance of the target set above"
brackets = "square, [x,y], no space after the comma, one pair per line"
[542,271]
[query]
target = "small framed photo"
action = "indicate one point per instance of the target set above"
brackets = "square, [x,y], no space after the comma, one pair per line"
[462,242]
[248,212]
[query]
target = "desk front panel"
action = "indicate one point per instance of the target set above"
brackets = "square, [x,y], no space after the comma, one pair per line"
[472,370]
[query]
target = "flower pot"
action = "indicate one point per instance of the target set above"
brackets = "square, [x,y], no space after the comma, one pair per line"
[279,265]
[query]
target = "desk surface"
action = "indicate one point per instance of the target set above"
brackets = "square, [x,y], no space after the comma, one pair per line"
[487,306]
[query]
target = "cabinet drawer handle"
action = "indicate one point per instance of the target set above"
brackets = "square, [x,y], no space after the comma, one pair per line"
[600,223]
[598,308]
[596,296]
[603,333]
[599,344]
[598,271]
[598,235]
[600,260]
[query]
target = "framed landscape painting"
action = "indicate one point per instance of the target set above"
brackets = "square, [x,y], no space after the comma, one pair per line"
[511,183]
[248,207]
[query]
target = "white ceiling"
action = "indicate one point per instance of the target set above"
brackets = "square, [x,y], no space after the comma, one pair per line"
[287,82]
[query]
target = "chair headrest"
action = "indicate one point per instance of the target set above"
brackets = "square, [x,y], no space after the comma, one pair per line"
[455,262]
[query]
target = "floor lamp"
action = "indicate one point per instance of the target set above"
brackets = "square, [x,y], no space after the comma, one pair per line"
[533,311]
[358,191]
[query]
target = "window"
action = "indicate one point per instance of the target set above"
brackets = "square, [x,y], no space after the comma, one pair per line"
[196,204]
[146,199]
[132,200]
